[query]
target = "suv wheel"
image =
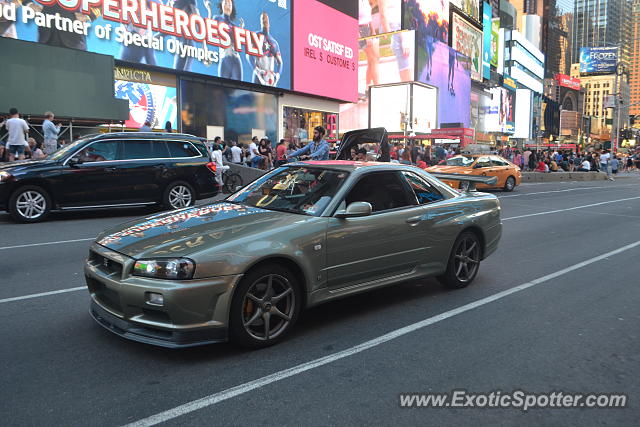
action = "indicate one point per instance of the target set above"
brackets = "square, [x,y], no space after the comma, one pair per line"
[29,204]
[265,307]
[178,195]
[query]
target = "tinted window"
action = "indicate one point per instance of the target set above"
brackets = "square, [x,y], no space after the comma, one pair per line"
[182,149]
[425,192]
[144,150]
[99,152]
[384,190]
[495,161]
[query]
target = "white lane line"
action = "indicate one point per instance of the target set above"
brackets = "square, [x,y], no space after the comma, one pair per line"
[286,373]
[570,209]
[42,294]
[545,192]
[46,243]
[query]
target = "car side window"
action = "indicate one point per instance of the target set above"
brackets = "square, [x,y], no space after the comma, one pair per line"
[424,191]
[483,162]
[101,151]
[143,149]
[498,162]
[182,149]
[384,190]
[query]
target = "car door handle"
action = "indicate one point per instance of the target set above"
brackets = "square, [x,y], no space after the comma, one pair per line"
[414,220]
[110,169]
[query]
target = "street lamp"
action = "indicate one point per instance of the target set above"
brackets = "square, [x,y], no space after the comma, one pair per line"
[620,70]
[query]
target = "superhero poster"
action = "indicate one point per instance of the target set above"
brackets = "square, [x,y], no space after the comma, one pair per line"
[244,40]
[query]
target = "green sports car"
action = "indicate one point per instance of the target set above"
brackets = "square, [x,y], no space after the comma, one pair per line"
[242,269]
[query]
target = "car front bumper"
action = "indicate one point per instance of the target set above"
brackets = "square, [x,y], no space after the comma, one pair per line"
[194,312]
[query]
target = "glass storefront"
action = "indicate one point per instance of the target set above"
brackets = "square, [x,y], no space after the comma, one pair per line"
[233,114]
[299,124]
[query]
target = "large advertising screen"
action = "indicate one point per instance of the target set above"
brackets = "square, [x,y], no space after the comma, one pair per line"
[449,71]
[150,103]
[486,41]
[325,56]
[384,59]
[471,8]
[598,59]
[430,19]
[467,40]
[379,17]
[495,41]
[245,40]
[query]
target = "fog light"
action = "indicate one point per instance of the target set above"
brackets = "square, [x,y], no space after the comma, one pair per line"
[155,299]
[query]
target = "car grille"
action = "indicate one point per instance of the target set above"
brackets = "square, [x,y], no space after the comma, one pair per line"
[105,264]
[105,296]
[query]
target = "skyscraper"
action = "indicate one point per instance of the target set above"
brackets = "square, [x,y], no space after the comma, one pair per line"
[602,23]
[556,36]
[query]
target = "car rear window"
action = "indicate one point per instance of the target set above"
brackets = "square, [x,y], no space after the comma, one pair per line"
[182,149]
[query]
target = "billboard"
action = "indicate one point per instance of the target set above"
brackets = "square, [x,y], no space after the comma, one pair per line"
[495,41]
[379,18]
[325,61]
[384,59]
[568,82]
[471,8]
[244,40]
[598,59]
[148,103]
[467,40]
[486,43]
[449,71]
[430,19]
[507,110]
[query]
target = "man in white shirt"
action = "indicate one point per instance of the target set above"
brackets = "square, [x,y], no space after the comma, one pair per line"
[18,130]
[236,153]
[253,150]
[585,166]
[605,159]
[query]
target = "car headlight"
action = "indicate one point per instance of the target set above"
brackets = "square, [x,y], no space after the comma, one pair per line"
[5,176]
[172,269]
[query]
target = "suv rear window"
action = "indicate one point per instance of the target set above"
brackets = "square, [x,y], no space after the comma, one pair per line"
[182,149]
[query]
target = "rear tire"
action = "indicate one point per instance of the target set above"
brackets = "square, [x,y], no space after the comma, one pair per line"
[29,204]
[464,261]
[265,307]
[178,195]
[509,184]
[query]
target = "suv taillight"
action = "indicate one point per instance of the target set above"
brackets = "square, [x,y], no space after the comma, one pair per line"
[212,167]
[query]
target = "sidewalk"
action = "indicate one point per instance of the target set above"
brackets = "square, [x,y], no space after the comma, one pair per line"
[574,176]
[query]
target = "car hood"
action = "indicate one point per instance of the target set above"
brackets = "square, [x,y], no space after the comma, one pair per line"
[450,169]
[181,232]
[25,165]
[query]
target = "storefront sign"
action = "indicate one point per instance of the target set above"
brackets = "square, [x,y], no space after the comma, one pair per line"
[509,83]
[468,41]
[246,40]
[568,82]
[325,44]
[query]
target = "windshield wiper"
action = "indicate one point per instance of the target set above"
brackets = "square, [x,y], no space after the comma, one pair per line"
[288,210]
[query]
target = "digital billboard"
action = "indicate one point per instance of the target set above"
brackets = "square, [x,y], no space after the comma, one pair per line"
[325,56]
[467,40]
[507,110]
[486,41]
[598,59]
[495,41]
[471,8]
[384,59]
[244,40]
[379,17]
[430,19]
[148,103]
[449,71]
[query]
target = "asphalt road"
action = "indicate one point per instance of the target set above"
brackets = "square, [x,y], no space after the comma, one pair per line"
[574,326]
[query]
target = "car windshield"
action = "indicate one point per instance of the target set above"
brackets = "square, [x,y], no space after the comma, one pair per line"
[65,150]
[299,190]
[460,161]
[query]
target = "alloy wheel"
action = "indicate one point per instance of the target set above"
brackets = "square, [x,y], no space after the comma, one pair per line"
[180,197]
[31,204]
[510,184]
[467,259]
[268,307]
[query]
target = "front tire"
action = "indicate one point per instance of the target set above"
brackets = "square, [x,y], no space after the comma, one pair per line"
[464,261]
[178,195]
[29,204]
[265,307]
[509,184]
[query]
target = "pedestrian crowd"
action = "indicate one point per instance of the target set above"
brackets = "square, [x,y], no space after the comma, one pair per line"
[19,146]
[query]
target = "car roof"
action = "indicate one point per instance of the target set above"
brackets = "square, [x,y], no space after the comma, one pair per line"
[132,135]
[350,165]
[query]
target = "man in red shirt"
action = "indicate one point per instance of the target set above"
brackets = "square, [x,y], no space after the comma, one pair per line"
[281,151]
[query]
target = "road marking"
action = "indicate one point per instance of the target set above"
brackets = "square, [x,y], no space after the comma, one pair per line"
[290,372]
[42,294]
[45,243]
[545,192]
[570,209]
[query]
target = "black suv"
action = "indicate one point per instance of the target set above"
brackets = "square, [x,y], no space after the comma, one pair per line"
[110,170]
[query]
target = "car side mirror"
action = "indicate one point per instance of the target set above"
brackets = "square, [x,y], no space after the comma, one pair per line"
[75,160]
[355,210]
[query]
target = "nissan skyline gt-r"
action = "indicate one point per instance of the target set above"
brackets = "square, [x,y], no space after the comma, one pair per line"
[242,269]
[508,174]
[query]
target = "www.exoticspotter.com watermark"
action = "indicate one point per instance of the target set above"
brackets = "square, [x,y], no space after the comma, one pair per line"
[518,399]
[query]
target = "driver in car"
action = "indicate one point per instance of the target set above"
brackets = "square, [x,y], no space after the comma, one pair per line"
[318,149]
